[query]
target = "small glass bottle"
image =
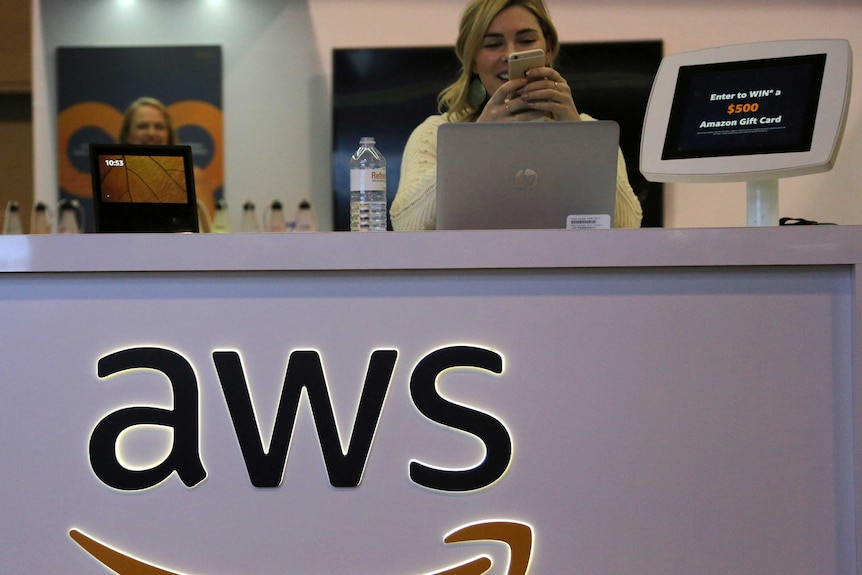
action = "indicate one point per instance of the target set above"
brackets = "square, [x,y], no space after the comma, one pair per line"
[276,221]
[12,219]
[304,219]
[249,218]
[221,221]
[367,188]
[70,217]
[40,219]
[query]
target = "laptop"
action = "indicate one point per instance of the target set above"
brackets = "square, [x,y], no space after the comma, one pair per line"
[528,175]
[143,188]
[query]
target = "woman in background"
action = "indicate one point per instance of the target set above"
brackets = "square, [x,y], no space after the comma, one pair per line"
[147,122]
[491,30]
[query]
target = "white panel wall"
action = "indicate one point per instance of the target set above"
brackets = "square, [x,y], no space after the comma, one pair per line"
[277,72]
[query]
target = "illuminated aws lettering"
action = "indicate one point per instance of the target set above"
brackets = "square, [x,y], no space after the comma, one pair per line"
[304,372]
[493,434]
[184,457]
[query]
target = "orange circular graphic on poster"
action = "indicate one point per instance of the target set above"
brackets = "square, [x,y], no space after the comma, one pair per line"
[69,122]
[197,113]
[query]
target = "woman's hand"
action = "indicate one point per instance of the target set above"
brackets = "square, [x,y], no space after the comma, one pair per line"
[544,93]
[548,91]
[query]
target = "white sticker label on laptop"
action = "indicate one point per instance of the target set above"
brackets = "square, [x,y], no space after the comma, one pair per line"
[589,222]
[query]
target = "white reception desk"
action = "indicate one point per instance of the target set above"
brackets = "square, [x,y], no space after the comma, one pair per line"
[636,401]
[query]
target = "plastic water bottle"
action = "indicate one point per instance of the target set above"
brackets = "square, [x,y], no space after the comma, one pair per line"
[367,188]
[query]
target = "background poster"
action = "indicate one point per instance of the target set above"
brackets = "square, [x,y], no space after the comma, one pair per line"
[96,85]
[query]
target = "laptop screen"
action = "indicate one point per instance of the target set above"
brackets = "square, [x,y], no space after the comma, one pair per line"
[143,188]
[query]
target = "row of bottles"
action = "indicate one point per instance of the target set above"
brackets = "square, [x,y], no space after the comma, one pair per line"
[274,219]
[368,211]
[70,218]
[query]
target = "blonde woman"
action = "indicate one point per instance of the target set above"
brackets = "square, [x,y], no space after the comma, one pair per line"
[491,30]
[147,122]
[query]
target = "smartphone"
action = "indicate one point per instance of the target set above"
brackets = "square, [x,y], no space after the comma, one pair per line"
[520,62]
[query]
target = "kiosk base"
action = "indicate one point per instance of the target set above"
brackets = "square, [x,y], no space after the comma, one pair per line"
[762,202]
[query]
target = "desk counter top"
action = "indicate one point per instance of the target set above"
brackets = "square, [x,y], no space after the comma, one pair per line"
[511,249]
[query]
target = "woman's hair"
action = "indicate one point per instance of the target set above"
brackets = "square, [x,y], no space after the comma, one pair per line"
[475,22]
[130,112]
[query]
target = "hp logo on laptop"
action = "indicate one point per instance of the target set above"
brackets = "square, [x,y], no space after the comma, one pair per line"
[526,179]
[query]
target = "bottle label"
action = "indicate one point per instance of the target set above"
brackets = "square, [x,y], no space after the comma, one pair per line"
[368,180]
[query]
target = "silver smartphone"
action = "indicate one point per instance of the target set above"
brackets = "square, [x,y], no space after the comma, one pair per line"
[520,62]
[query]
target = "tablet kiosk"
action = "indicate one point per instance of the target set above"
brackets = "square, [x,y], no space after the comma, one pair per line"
[749,112]
[143,188]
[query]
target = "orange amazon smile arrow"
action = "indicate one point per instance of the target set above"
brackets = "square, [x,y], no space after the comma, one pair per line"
[517,536]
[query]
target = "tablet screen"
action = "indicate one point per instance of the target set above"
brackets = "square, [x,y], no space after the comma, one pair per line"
[739,108]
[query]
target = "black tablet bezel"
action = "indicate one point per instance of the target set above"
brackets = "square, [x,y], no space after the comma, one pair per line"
[806,70]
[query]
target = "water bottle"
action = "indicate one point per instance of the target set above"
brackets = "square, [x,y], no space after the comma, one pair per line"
[305,220]
[12,220]
[249,218]
[221,221]
[367,188]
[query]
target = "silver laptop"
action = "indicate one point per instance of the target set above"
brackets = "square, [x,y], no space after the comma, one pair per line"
[528,175]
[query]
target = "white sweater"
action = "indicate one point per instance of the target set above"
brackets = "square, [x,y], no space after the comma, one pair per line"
[415,204]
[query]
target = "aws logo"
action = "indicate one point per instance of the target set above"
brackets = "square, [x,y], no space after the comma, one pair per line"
[344,465]
[518,537]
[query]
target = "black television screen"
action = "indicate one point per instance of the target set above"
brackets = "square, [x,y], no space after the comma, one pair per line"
[386,92]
